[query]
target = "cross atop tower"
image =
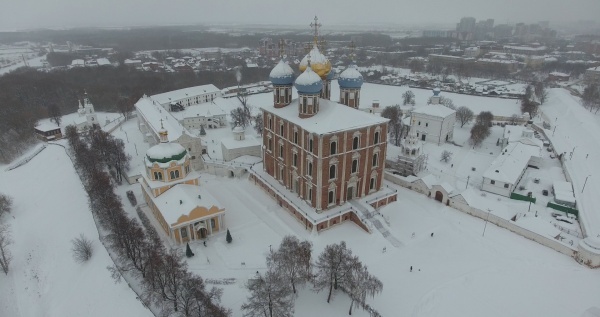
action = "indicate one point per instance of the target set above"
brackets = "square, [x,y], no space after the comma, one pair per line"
[316,25]
[281,47]
[352,48]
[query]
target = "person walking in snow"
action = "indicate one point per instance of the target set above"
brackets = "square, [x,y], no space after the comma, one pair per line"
[411,268]
[432,234]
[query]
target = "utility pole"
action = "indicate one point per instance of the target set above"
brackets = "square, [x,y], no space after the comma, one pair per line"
[585,183]
[486,221]
[467,182]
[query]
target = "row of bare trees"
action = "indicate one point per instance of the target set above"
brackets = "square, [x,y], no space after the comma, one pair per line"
[165,279]
[6,204]
[291,266]
[591,98]
[481,128]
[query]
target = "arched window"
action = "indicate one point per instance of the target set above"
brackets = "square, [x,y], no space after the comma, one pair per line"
[354,166]
[295,160]
[332,172]
[310,145]
[281,150]
[333,148]
[158,176]
[296,137]
[414,151]
[174,174]
[281,129]
[331,197]
[309,169]
[375,159]
[372,183]
[270,124]
[355,142]
[376,138]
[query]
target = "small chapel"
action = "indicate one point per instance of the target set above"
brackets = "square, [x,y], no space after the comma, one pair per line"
[184,210]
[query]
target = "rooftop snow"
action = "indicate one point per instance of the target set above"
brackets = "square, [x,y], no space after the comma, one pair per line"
[509,165]
[45,127]
[206,109]
[434,110]
[153,113]
[181,199]
[282,69]
[248,141]
[332,117]
[176,95]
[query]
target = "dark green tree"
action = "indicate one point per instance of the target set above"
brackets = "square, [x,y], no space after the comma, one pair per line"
[228,238]
[188,251]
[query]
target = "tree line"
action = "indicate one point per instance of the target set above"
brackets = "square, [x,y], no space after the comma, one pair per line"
[165,280]
[28,95]
[291,266]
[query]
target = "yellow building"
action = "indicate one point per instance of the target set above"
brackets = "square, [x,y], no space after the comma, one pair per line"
[183,209]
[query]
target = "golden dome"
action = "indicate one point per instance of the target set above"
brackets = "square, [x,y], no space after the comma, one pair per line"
[318,62]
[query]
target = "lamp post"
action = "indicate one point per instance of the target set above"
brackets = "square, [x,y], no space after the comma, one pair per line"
[586,178]
[486,221]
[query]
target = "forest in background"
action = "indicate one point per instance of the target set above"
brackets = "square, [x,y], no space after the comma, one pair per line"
[28,95]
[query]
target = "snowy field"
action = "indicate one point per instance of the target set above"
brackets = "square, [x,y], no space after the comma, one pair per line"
[456,272]
[50,209]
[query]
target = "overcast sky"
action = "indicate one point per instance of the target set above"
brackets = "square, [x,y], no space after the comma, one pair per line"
[23,14]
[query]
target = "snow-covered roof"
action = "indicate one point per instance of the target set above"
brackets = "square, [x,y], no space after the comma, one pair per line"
[176,95]
[332,117]
[513,132]
[248,141]
[153,113]
[594,69]
[163,151]
[207,109]
[509,165]
[307,80]
[78,62]
[282,74]
[563,191]
[181,199]
[103,61]
[45,127]
[434,110]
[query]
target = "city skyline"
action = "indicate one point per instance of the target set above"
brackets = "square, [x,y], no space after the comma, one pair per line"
[31,14]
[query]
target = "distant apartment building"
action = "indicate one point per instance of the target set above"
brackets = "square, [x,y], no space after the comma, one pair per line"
[436,33]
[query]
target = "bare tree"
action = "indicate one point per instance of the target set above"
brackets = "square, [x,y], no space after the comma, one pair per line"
[164,278]
[334,267]
[464,115]
[408,98]
[5,254]
[54,113]
[240,116]
[292,259]
[5,204]
[269,296]
[447,102]
[361,284]
[394,113]
[82,248]
[484,118]
[514,119]
[446,156]
[126,106]
[258,123]
[540,91]
[478,133]
[530,107]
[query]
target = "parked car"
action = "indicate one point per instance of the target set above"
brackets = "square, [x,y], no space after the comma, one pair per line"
[131,197]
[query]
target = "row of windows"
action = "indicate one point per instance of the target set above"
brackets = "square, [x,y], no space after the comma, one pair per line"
[333,167]
[174,174]
[331,193]
[494,182]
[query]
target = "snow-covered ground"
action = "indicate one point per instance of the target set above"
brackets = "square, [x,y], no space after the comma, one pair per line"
[36,62]
[50,209]
[577,131]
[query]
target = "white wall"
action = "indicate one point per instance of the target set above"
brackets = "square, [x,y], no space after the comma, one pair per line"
[497,188]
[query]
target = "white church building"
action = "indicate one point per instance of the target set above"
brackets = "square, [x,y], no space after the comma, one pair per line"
[87,116]
[434,122]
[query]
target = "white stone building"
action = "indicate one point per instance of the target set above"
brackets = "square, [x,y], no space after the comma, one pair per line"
[209,115]
[87,115]
[152,118]
[240,145]
[188,96]
[514,133]
[411,160]
[508,168]
[434,123]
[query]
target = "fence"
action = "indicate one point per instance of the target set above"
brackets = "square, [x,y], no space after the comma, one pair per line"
[27,159]
[566,209]
[516,196]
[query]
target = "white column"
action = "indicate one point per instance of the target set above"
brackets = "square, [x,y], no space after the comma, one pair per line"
[209,227]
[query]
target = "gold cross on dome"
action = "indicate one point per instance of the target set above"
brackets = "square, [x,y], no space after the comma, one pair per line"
[281,47]
[352,47]
[316,25]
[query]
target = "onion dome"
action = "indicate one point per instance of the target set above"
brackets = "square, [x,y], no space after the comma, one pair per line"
[282,74]
[318,62]
[436,91]
[331,75]
[350,78]
[165,152]
[238,129]
[309,82]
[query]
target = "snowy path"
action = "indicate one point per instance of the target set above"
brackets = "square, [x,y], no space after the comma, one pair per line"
[375,222]
[578,132]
